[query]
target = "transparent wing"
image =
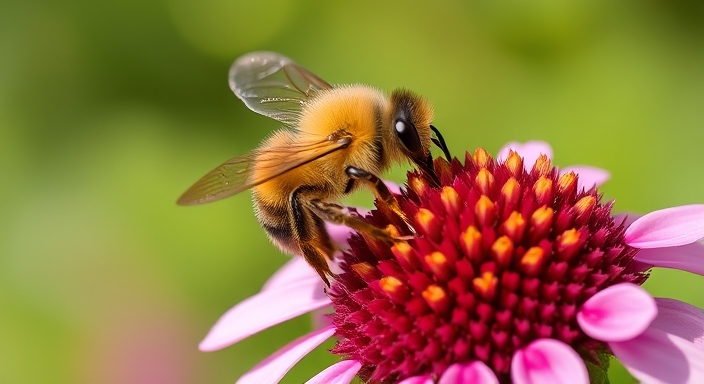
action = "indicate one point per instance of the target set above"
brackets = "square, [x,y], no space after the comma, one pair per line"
[273,85]
[238,174]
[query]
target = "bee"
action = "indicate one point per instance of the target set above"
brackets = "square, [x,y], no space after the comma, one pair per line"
[336,139]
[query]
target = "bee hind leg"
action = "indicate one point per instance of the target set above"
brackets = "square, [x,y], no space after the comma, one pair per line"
[381,191]
[317,261]
[335,213]
[309,231]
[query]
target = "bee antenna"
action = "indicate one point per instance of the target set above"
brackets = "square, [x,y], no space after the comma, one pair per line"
[440,142]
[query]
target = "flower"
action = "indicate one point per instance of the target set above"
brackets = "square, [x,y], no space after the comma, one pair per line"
[519,273]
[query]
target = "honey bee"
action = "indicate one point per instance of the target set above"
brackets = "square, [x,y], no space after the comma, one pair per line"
[336,139]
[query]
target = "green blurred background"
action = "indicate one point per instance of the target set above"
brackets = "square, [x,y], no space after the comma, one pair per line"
[109,110]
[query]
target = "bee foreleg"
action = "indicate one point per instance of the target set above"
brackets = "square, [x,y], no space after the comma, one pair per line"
[381,191]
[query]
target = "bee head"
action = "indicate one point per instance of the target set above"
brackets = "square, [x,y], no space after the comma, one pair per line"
[412,116]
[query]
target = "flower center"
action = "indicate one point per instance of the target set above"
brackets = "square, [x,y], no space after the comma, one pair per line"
[503,256]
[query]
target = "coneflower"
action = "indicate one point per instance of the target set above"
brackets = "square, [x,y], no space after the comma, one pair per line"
[519,273]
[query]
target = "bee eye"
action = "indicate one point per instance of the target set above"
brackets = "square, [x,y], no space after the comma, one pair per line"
[408,135]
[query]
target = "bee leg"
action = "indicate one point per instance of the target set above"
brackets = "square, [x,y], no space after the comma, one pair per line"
[381,191]
[310,234]
[335,213]
[317,261]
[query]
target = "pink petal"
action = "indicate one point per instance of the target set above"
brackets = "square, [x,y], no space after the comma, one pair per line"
[618,313]
[339,233]
[274,367]
[297,269]
[393,187]
[477,372]
[261,311]
[688,257]
[684,257]
[452,375]
[547,361]
[658,357]
[628,218]
[338,373]
[418,380]
[321,318]
[588,176]
[293,271]
[530,151]
[473,373]
[680,319]
[668,227]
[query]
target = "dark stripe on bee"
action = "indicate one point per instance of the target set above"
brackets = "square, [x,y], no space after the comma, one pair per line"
[283,237]
[379,122]
[281,233]
[276,213]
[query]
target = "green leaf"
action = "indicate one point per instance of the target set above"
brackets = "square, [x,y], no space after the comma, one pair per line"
[598,372]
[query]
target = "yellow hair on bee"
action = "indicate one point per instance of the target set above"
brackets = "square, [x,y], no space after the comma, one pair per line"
[357,109]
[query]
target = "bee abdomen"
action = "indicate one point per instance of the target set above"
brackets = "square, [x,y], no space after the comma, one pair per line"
[278,232]
[274,220]
[282,236]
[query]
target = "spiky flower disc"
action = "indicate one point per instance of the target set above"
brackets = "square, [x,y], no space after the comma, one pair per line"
[504,255]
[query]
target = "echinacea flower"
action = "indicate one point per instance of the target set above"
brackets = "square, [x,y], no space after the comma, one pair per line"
[518,273]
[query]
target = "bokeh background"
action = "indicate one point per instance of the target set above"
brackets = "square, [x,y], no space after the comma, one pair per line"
[109,110]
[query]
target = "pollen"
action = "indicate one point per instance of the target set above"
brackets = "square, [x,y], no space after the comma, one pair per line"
[436,298]
[436,258]
[485,211]
[568,243]
[584,208]
[511,191]
[390,283]
[429,223]
[569,238]
[543,190]
[532,261]
[514,163]
[514,226]
[567,184]
[482,158]
[437,262]
[502,250]
[403,253]
[484,182]
[450,199]
[485,285]
[542,218]
[542,166]
[395,289]
[471,242]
